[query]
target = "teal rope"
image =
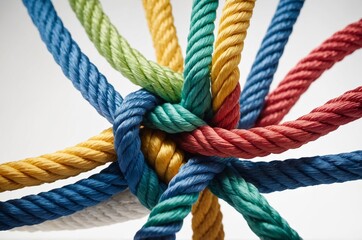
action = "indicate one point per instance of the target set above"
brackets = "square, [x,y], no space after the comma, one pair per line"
[175,203]
[262,219]
[196,95]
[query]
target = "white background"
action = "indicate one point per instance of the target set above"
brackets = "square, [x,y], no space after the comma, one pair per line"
[41,112]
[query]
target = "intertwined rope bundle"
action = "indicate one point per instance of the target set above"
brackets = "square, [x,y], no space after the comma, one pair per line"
[176,142]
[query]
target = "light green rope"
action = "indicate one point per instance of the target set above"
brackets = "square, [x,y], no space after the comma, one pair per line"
[132,64]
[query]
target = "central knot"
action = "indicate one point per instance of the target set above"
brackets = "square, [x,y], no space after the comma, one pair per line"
[136,109]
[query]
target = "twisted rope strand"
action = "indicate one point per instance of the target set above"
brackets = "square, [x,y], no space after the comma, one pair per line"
[297,81]
[132,64]
[119,208]
[275,138]
[160,23]
[75,65]
[225,75]
[166,217]
[63,201]
[266,61]
[261,217]
[62,164]
[196,96]
[307,171]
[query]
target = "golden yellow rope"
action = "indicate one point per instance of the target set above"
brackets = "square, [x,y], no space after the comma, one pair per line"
[207,217]
[161,25]
[59,165]
[234,22]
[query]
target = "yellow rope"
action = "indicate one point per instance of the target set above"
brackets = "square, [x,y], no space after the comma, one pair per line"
[161,153]
[229,43]
[59,165]
[207,217]
[163,32]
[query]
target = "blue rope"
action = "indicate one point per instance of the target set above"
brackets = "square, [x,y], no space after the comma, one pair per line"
[94,87]
[266,61]
[34,209]
[195,176]
[184,189]
[267,177]
[142,180]
[75,65]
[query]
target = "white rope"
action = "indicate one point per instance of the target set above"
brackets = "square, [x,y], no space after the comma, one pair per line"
[120,208]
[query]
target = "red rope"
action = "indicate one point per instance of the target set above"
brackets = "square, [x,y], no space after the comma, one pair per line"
[298,80]
[228,114]
[261,141]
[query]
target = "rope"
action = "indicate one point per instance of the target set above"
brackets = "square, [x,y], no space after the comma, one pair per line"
[166,217]
[259,141]
[120,118]
[119,208]
[62,164]
[260,216]
[225,75]
[297,81]
[160,23]
[132,64]
[290,174]
[266,61]
[196,97]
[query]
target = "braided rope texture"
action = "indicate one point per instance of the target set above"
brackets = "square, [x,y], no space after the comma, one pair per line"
[195,175]
[266,61]
[62,164]
[225,73]
[158,142]
[121,56]
[163,32]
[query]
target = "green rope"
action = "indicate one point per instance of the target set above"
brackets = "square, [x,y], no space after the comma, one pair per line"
[133,65]
[262,218]
[196,95]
